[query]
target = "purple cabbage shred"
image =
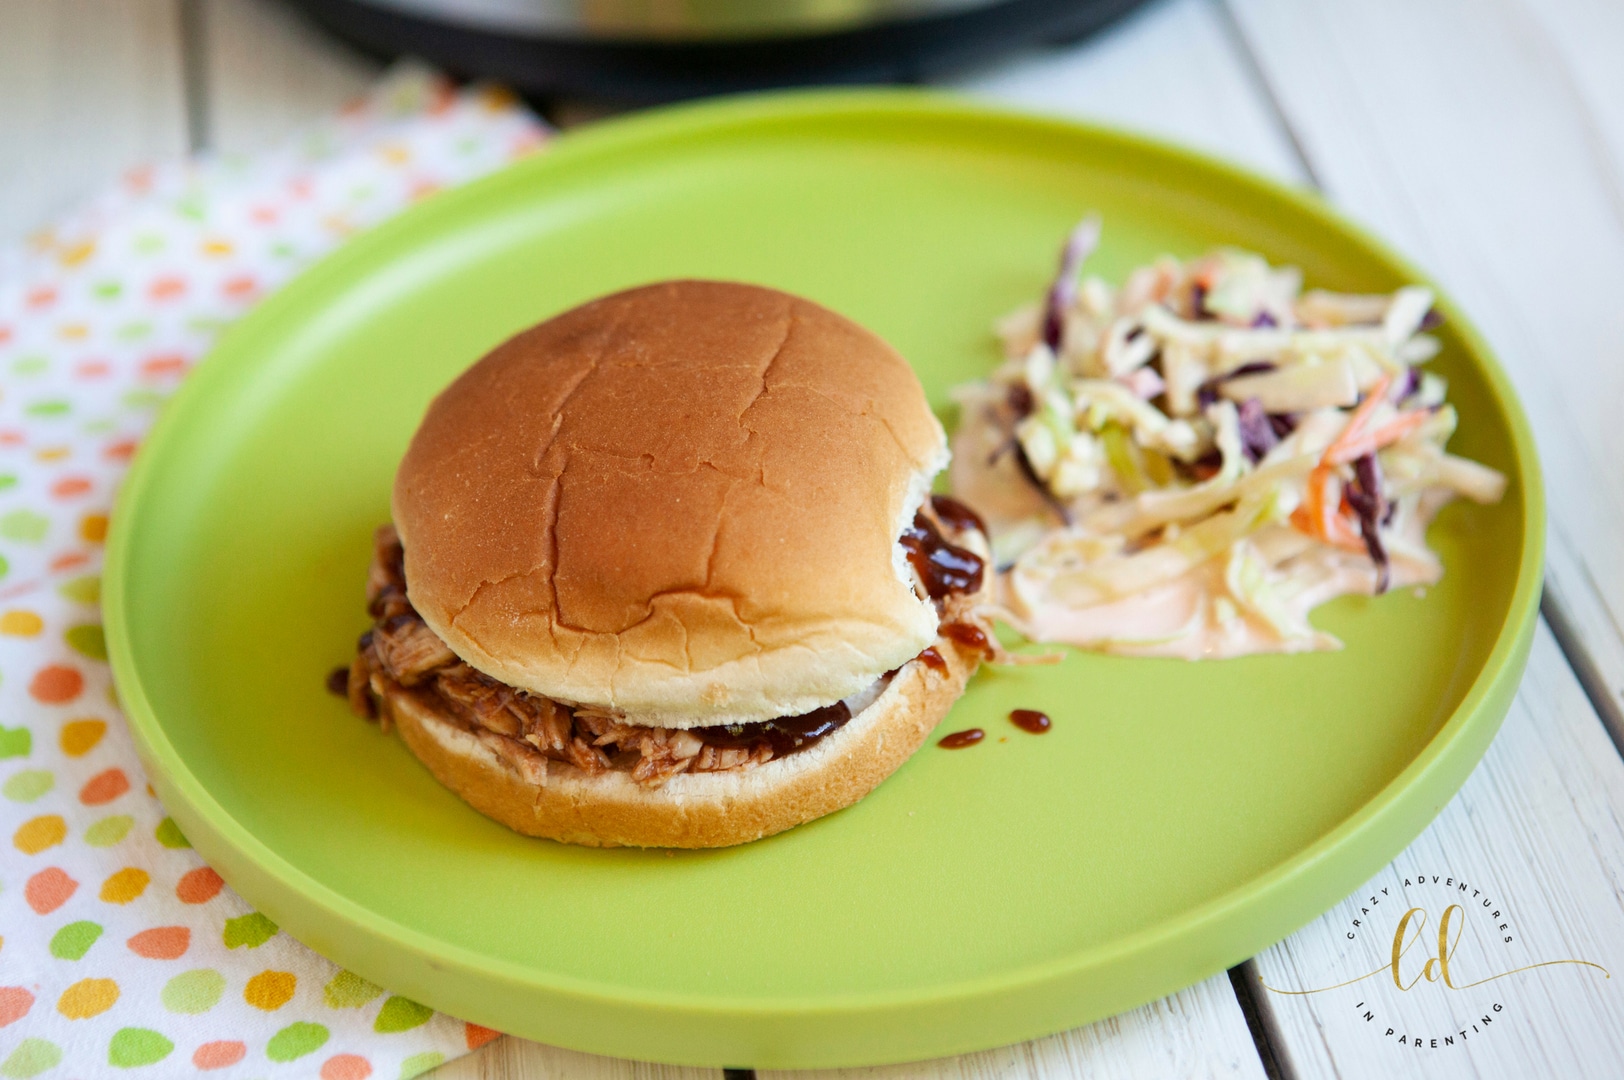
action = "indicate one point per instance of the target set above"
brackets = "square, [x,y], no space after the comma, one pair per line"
[1207,393]
[1257,433]
[1365,496]
[1079,245]
[1264,321]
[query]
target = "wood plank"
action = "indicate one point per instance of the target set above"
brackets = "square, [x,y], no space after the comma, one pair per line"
[1170,69]
[267,73]
[1486,139]
[91,88]
[1197,1032]
[1538,830]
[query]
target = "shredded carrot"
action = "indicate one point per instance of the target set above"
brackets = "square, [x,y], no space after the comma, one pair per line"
[1320,518]
[1356,423]
[1386,435]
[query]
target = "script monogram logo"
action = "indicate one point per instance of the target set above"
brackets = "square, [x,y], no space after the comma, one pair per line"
[1423,955]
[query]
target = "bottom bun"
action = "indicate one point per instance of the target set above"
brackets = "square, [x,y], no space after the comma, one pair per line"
[698,810]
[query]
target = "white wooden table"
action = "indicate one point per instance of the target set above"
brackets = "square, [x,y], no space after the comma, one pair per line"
[1485,138]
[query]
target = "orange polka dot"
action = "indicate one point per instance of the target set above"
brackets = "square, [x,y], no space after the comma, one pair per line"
[104,787]
[68,560]
[93,528]
[122,450]
[161,942]
[69,486]
[42,297]
[219,1055]
[164,364]
[56,684]
[12,438]
[477,1036]
[5,334]
[36,834]
[346,1067]
[166,288]
[240,286]
[140,177]
[198,886]
[270,990]
[14,1004]
[87,998]
[79,737]
[21,624]
[49,889]
[125,885]
[93,369]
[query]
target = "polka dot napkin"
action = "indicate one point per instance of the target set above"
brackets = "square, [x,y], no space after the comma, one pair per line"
[121,953]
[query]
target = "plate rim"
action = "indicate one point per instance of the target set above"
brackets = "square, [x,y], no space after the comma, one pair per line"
[1437,769]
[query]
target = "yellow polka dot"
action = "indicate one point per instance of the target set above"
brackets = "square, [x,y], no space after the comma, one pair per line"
[76,331]
[125,885]
[93,528]
[21,623]
[270,990]
[87,998]
[217,247]
[52,453]
[79,737]
[74,254]
[395,154]
[37,834]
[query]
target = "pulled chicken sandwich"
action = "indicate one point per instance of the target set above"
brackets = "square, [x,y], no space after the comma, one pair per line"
[665,571]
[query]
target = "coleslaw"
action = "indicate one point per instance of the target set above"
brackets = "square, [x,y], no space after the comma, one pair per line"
[1187,465]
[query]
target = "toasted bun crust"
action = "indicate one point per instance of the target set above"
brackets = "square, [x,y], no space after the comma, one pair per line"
[700,810]
[680,501]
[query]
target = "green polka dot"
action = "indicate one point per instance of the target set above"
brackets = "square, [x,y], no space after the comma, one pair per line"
[191,206]
[170,836]
[82,590]
[74,940]
[107,290]
[134,331]
[132,1047]
[142,399]
[193,991]
[49,408]
[205,324]
[401,1014]
[15,742]
[32,1057]
[29,365]
[100,427]
[418,1064]
[149,243]
[4,566]
[284,251]
[24,525]
[109,830]
[252,930]
[87,640]
[295,1041]
[28,785]
[347,990]
[7,480]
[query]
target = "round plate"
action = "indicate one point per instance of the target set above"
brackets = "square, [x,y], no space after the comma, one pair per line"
[1177,819]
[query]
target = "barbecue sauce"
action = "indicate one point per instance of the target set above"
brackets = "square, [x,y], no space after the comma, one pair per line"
[1030,720]
[785,735]
[933,660]
[942,567]
[956,516]
[960,739]
[968,634]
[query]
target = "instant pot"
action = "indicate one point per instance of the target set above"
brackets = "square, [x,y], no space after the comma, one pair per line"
[637,51]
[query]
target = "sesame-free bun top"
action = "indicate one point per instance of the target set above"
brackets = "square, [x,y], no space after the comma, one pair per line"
[681,501]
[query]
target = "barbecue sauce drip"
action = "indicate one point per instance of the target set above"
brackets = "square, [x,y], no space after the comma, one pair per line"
[968,634]
[942,567]
[960,739]
[785,735]
[1031,720]
[956,515]
[933,660]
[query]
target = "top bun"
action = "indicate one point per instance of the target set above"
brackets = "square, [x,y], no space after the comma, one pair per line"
[681,502]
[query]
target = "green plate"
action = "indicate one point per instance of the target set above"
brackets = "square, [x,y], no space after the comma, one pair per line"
[1178,818]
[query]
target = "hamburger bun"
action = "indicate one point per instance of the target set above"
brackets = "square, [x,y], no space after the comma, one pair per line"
[690,810]
[680,502]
